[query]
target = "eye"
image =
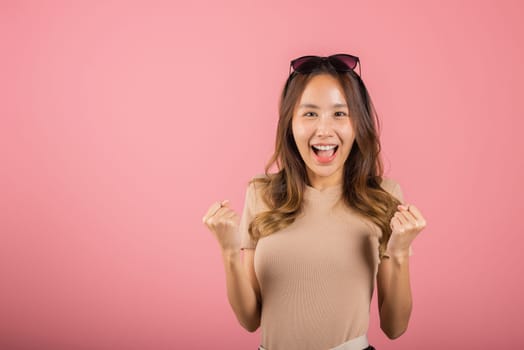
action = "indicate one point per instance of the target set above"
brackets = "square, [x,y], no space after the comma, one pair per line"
[306,114]
[343,114]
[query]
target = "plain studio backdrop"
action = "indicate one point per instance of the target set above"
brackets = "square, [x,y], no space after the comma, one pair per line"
[122,122]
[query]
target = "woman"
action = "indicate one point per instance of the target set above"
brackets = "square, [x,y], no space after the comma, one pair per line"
[323,226]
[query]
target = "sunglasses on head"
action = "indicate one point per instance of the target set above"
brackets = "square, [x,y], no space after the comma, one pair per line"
[340,62]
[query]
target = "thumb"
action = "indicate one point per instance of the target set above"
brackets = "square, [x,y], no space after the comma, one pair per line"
[225,202]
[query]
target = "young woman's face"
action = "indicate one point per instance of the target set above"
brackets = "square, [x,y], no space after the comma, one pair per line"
[321,117]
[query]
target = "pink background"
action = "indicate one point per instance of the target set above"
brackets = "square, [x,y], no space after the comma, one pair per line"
[122,122]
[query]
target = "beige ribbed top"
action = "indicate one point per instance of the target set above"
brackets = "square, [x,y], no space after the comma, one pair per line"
[317,275]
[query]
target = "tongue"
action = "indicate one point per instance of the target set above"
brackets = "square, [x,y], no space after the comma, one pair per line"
[326,154]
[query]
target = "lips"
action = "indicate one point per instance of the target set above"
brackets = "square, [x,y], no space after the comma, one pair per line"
[325,159]
[316,150]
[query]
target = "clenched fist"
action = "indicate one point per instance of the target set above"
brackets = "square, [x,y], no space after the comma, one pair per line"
[224,223]
[406,224]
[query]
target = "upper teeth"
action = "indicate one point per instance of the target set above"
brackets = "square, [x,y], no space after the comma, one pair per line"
[324,148]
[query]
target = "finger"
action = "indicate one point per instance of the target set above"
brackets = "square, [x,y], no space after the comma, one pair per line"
[230,214]
[224,214]
[407,208]
[408,217]
[414,210]
[396,225]
[400,217]
[212,211]
[224,207]
[416,214]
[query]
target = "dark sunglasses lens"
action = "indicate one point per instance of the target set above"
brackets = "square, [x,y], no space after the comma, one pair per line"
[306,64]
[343,62]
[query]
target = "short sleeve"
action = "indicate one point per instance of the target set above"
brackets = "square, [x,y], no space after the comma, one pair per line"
[248,214]
[397,192]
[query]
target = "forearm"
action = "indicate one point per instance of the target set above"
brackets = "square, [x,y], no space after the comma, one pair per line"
[240,293]
[397,304]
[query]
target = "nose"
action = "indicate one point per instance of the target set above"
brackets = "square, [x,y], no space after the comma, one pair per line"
[324,125]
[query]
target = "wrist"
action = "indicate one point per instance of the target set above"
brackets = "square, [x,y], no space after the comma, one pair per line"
[399,258]
[399,250]
[230,253]
[400,253]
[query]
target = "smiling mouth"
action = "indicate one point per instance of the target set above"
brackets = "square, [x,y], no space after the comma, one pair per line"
[325,153]
[325,157]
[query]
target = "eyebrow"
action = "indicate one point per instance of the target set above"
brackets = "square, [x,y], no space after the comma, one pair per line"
[310,105]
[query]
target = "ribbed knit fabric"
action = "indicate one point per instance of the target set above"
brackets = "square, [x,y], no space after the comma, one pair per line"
[317,275]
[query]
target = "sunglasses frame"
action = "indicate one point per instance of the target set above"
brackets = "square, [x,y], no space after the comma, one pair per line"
[330,59]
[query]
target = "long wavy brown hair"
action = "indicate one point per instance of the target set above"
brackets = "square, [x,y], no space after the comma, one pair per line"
[363,170]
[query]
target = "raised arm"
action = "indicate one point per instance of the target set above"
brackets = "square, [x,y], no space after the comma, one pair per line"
[393,279]
[243,292]
[393,285]
[242,288]
[394,295]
